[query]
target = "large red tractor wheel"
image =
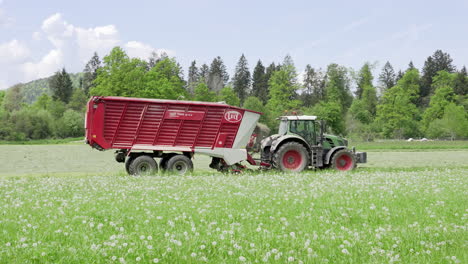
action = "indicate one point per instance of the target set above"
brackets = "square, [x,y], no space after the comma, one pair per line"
[343,160]
[291,157]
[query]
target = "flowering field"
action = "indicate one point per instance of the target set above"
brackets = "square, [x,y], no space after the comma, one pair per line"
[71,204]
[368,216]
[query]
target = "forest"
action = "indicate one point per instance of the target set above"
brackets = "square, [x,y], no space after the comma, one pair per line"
[431,102]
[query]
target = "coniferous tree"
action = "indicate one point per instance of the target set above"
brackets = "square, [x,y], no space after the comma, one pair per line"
[217,76]
[410,66]
[193,77]
[437,62]
[399,76]
[387,77]
[61,86]
[269,71]
[460,85]
[314,85]
[155,58]
[204,72]
[260,83]
[364,78]
[90,73]
[242,79]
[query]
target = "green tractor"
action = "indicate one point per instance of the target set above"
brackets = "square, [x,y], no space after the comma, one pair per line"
[301,143]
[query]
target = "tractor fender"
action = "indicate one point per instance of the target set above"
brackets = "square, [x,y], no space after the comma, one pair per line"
[287,138]
[331,152]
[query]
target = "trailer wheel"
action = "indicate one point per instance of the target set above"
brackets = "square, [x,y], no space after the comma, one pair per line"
[165,159]
[143,165]
[343,160]
[128,161]
[179,164]
[291,157]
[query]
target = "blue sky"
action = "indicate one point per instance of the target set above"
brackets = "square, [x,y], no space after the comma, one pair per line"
[39,37]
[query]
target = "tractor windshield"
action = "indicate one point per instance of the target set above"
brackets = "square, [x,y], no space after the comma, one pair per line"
[283,127]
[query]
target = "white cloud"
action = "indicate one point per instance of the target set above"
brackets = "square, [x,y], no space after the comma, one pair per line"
[49,64]
[37,36]
[72,47]
[13,51]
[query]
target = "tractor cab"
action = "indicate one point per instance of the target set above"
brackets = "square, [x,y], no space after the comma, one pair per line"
[307,127]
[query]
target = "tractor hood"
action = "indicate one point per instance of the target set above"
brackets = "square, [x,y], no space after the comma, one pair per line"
[331,141]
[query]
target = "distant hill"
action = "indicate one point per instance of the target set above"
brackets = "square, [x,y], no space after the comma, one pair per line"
[32,90]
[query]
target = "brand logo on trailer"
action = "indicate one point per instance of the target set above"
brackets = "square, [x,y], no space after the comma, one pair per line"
[233,116]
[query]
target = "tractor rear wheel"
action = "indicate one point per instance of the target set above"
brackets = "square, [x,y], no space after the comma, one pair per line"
[291,157]
[143,165]
[343,160]
[179,164]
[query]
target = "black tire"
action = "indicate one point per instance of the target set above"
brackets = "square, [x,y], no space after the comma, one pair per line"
[179,164]
[164,160]
[343,160]
[128,162]
[291,157]
[143,165]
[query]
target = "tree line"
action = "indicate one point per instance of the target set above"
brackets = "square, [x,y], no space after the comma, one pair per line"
[431,102]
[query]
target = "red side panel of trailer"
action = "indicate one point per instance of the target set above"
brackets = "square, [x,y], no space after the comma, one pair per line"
[121,123]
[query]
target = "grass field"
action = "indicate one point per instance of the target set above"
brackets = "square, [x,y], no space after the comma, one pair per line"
[70,204]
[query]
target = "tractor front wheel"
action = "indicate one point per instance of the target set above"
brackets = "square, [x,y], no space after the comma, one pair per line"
[343,160]
[291,157]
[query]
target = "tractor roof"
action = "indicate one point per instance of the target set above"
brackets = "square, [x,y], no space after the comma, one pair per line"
[298,117]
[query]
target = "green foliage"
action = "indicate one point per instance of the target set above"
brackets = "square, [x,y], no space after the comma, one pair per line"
[163,81]
[122,76]
[337,87]
[2,95]
[32,123]
[228,95]
[360,112]
[396,115]
[439,61]
[282,95]
[453,124]
[13,98]
[255,104]
[43,102]
[202,93]
[71,124]
[61,86]
[78,100]
[444,94]
[455,121]
[332,113]
[56,108]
